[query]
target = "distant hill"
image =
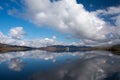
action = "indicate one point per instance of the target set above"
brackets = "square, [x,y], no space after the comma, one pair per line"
[115,49]
[13,48]
[58,48]
[109,48]
[62,48]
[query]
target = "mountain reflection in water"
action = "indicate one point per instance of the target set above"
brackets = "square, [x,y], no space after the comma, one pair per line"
[42,65]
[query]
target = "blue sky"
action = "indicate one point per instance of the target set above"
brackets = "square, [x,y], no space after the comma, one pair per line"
[7,22]
[35,29]
[98,4]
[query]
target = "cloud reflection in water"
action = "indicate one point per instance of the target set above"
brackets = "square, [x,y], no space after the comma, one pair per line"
[96,68]
[16,64]
[90,65]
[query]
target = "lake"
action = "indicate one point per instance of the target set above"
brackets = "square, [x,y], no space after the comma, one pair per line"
[42,65]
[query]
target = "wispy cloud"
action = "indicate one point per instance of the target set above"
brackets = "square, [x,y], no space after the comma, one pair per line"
[1,8]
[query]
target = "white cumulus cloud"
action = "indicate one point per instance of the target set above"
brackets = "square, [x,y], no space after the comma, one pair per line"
[66,16]
[70,17]
[17,32]
[15,37]
[114,15]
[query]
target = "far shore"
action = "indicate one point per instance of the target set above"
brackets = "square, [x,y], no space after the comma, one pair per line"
[115,49]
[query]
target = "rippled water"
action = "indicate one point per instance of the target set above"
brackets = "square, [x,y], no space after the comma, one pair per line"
[42,65]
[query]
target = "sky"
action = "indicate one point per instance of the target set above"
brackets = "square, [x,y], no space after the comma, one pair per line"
[65,22]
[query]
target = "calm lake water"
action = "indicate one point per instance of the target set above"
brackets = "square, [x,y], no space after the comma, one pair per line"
[42,65]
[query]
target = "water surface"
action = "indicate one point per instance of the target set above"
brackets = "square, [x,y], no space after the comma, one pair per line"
[42,65]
